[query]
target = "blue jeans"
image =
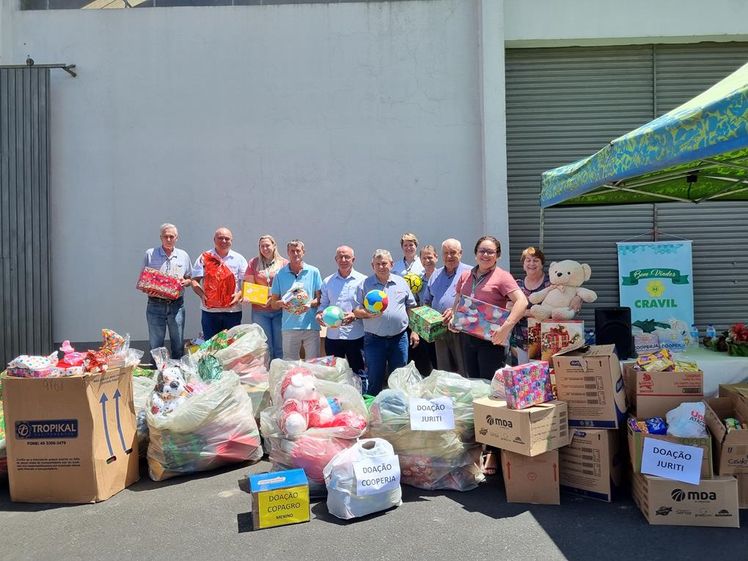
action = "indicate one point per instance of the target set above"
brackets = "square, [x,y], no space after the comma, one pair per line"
[214,322]
[160,314]
[271,325]
[383,355]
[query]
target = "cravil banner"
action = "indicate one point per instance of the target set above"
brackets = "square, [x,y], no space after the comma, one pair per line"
[655,281]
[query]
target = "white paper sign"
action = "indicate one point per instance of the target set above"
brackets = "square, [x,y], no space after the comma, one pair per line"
[374,476]
[672,461]
[432,414]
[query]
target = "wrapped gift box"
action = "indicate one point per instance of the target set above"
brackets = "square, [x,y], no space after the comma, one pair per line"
[427,322]
[255,293]
[159,284]
[527,384]
[478,318]
[560,337]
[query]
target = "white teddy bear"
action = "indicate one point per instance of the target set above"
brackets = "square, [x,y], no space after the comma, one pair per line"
[566,278]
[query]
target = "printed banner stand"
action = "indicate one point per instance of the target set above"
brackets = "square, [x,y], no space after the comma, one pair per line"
[655,281]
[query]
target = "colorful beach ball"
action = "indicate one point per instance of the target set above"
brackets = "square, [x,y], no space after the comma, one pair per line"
[415,282]
[376,301]
[333,316]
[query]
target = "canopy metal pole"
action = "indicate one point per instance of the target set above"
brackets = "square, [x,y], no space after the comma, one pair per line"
[542,225]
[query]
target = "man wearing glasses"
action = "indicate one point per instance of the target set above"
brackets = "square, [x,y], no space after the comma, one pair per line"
[217,279]
[161,313]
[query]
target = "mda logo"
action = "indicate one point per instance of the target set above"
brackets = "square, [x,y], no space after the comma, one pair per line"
[678,495]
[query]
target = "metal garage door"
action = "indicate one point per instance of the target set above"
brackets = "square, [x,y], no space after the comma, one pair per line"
[25,302]
[566,103]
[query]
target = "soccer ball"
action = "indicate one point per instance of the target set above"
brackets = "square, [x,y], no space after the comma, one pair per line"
[333,316]
[415,282]
[376,301]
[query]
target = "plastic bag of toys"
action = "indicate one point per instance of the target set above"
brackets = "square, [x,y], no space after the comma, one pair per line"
[196,426]
[438,459]
[310,419]
[363,479]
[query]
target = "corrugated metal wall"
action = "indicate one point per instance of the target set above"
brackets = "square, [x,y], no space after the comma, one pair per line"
[566,103]
[25,297]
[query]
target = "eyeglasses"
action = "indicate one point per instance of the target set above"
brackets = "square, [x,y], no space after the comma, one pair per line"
[487,252]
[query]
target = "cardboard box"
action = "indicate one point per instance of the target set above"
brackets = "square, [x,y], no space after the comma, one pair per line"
[591,465]
[427,322]
[740,390]
[714,502]
[478,318]
[653,394]
[255,293]
[742,489]
[731,447]
[279,498]
[71,440]
[531,479]
[590,381]
[560,336]
[530,431]
[636,445]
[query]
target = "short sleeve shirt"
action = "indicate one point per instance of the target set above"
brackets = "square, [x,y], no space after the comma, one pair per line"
[342,292]
[394,319]
[493,288]
[443,287]
[238,266]
[177,264]
[311,279]
[264,277]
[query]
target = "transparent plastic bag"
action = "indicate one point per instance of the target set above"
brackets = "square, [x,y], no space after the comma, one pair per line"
[343,499]
[209,429]
[341,372]
[142,388]
[445,459]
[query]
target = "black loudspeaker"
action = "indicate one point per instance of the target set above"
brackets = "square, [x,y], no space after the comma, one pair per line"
[613,326]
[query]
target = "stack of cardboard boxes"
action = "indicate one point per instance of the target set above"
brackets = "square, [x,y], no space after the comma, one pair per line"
[570,443]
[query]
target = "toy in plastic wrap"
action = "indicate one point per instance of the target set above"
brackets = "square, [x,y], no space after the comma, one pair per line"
[27,366]
[347,497]
[304,407]
[478,318]
[170,392]
[296,299]
[526,385]
[155,283]
[653,425]
[415,282]
[376,301]
[333,316]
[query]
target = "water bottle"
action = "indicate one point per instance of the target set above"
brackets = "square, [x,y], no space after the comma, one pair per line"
[711,333]
[694,337]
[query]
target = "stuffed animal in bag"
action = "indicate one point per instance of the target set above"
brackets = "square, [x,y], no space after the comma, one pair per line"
[170,392]
[304,407]
[566,279]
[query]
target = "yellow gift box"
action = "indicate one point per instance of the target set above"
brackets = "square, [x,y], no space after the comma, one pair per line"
[255,293]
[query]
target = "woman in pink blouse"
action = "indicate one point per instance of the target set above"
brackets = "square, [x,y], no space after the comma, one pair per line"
[262,270]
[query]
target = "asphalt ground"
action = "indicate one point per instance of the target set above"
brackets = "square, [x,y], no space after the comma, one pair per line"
[207,516]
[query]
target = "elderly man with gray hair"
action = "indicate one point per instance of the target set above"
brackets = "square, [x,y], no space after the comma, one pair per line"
[161,313]
[385,333]
[441,296]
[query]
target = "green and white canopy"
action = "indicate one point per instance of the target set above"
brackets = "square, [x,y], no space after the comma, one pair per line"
[697,152]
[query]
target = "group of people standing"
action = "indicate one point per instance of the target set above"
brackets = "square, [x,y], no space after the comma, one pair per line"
[373,344]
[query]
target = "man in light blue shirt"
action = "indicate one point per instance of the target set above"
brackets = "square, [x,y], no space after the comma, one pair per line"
[340,289]
[161,313]
[441,296]
[385,335]
[298,327]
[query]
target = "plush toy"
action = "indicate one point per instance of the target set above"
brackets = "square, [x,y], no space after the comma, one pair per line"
[566,278]
[304,407]
[170,392]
